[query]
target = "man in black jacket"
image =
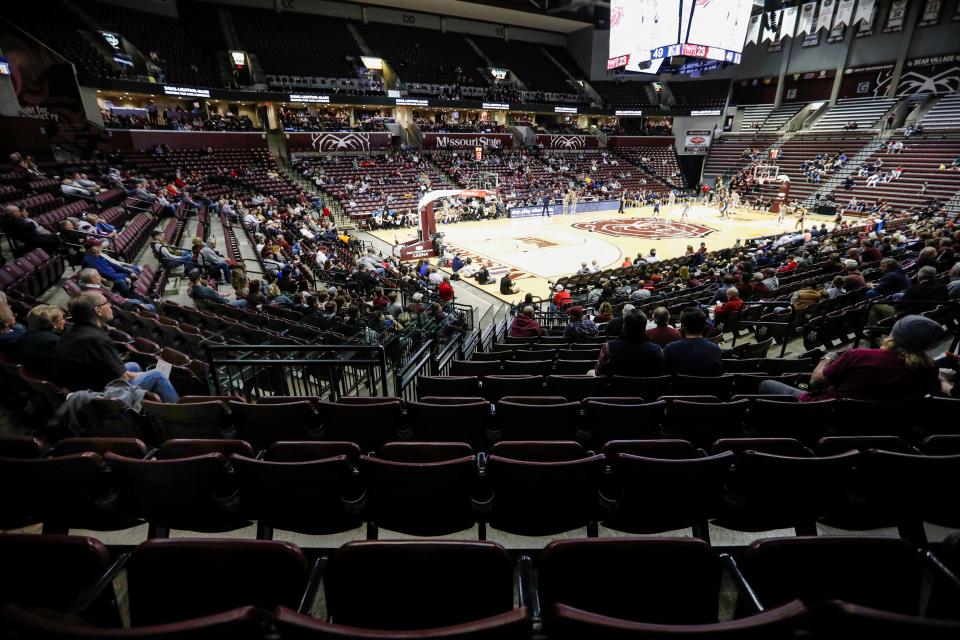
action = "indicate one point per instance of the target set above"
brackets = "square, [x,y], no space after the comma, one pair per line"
[28,232]
[86,357]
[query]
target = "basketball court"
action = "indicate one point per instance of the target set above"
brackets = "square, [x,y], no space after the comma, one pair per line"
[536,250]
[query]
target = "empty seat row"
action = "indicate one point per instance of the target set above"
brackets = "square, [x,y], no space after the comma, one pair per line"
[531,488]
[527,378]
[780,588]
[32,274]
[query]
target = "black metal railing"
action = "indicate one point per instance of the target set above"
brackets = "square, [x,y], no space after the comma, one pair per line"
[750,318]
[324,371]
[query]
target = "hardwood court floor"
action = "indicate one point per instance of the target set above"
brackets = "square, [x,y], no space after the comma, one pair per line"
[537,250]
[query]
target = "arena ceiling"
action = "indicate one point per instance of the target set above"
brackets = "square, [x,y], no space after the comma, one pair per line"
[518,13]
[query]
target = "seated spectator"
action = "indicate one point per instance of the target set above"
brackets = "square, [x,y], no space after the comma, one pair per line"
[506,286]
[37,348]
[561,298]
[120,276]
[663,334]
[631,354]
[579,327]
[170,257]
[900,370]
[524,326]
[200,291]
[11,333]
[90,279]
[894,279]
[852,278]
[723,313]
[604,313]
[836,288]
[445,290]
[31,234]
[953,288]
[86,357]
[217,265]
[806,295]
[693,355]
[926,288]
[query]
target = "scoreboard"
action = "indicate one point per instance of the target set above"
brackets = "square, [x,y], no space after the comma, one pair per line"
[642,31]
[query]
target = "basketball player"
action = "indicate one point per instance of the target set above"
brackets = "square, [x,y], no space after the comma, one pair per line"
[685,210]
[783,211]
[656,209]
[801,218]
[735,197]
[673,199]
[573,201]
[724,208]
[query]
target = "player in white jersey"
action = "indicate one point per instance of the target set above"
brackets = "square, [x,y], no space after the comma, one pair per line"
[685,210]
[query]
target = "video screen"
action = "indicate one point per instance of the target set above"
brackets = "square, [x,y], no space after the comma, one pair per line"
[645,30]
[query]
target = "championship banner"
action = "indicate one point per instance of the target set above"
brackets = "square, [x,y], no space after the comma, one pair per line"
[844,14]
[697,142]
[789,23]
[807,14]
[771,23]
[826,14]
[896,17]
[563,142]
[753,30]
[327,141]
[865,11]
[956,16]
[931,13]
[865,26]
[467,140]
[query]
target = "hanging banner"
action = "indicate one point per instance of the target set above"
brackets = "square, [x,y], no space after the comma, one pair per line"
[956,16]
[931,13]
[836,34]
[896,17]
[753,30]
[826,14]
[844,14]
[807,13]
[810,40]
[789,23]
[771,25]
[866,28]
[697,142]
[865,11]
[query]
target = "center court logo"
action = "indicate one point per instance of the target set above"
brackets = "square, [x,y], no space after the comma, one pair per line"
[645,228]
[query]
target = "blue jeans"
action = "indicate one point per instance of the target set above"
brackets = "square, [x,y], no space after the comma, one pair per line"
[775,388]
[153,381]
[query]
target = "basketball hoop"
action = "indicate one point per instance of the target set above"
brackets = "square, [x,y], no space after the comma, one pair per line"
[764,172]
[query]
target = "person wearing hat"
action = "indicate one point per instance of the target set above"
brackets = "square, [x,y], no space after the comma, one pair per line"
[899,370]
[579,326]
[561,298]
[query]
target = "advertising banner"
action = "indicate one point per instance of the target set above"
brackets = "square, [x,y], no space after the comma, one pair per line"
[467,140]
[557,209]
[338,141]
[697,141]
[564,142]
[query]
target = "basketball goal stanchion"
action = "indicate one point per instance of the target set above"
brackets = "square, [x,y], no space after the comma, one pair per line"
[426,244]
